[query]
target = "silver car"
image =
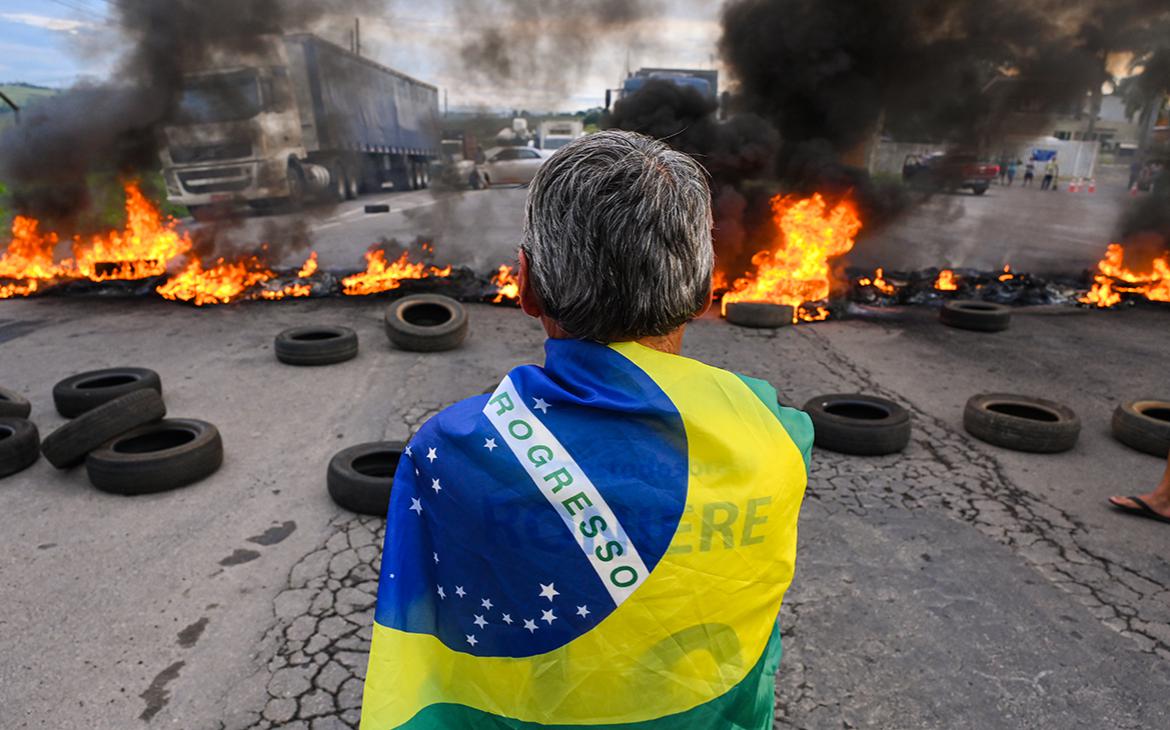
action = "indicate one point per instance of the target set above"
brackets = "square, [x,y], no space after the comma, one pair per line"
[512,165]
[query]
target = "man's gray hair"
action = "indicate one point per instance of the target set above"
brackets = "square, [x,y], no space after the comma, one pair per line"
[617,232]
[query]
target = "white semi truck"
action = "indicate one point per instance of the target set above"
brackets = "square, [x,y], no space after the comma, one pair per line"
[302,117]
[556,133]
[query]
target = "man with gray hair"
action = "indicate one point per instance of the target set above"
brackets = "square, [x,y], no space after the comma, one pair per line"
[603,541]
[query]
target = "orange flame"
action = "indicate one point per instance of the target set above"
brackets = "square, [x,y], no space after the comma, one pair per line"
[382,275]
[1007,274]
[946,281]
[796,268]
[879,282]
[28,259]
[310,266]
[507,285]
[139,251]
[1114,278]
[224,282]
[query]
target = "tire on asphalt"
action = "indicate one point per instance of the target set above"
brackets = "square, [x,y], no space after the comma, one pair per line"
[19,445]
[862,425]
[1144,425]
[1021,423]
[360,477]
[426,323]
[760,315]
[316,345]
[13,405]
[79,393]
[155,458]
[69,444]
[377,208]
[976,315]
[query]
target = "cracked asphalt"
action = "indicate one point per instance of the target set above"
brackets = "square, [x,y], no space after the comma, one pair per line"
[954,585]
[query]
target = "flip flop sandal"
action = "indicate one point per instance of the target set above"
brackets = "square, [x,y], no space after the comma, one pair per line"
[1142,509]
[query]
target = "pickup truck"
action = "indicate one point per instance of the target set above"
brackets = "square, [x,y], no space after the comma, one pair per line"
[949,172]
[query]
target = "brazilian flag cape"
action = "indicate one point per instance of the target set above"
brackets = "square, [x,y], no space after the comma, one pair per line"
[603,542]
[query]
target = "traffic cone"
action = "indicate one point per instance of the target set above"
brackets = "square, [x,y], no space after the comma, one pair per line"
[1133,191]
[1092,185]
[1072,185]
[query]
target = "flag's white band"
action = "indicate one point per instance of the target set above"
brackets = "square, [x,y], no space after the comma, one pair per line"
[560,478]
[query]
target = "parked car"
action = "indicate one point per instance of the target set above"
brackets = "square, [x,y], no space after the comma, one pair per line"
[949,172]
[512,165]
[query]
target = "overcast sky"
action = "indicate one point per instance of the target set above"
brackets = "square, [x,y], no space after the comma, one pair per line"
[58,42]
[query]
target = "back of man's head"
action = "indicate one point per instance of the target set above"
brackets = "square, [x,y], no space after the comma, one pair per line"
[617,233]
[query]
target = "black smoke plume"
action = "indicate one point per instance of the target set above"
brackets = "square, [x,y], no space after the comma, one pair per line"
[113,127]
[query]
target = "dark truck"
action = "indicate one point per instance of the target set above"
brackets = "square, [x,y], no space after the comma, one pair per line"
[301,117]
[949,172]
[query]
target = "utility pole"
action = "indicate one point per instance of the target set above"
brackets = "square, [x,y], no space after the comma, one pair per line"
[11,103]
[357,36]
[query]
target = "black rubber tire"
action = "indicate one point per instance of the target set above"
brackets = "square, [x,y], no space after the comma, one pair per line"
[316,345]
[475,180]
[337,184]
[1144,425]
[72,400]
[862,425]
[975,315]
[13,405]
[69,444]
[123,466]
[19,445]
[1021,423]
[760,315]
[360,477]
[426,323]
[377,208]
[979,189]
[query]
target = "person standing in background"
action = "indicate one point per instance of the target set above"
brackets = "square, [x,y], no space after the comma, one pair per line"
[1029,172]
[1050,170]
[1012,169]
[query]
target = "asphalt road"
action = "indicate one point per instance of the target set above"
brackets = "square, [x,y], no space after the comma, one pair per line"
[954,585]
[1032,230]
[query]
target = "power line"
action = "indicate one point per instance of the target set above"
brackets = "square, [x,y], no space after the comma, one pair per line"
[86,12]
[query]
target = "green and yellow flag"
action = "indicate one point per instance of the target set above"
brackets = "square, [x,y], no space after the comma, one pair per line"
[602,542]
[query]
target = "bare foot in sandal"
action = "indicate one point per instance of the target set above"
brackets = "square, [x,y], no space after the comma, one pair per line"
[1155,505]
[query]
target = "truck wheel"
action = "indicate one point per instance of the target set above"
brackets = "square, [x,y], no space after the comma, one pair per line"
[976,315]
[68,445]
[1021,423]
[353,184]
[426,323]
[337,183]
[79,393]
[296,187]
[320,345]
[360,477]
[426,175]
[1144,425]
[18,445]
[158,457]
[862,425]
[979,189]
[13,404]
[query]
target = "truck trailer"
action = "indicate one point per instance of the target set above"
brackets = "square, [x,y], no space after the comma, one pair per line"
[303,117]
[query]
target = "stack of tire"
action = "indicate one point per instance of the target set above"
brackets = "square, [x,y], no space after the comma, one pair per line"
[119,431]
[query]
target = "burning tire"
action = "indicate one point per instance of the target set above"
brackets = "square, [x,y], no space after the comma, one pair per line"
[1144,425]
[164,455]
[316,345]
[976,315]
[69,444]
[13,405]
[77,394]
[862,425]
[760,315]
[1022,423]
[426,323]
[360,477]
[19,445]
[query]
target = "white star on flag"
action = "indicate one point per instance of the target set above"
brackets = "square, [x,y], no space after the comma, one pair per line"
[548,616]
[548,591]
[530,625]
[489,444]
[540,405]
[442,594]
[436,557]
[435,486]
[479,621]
[471,639]
[460,592]
[486,603]
[415,505]
[431,455]
[582,611]
[507,618]
[407,451]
